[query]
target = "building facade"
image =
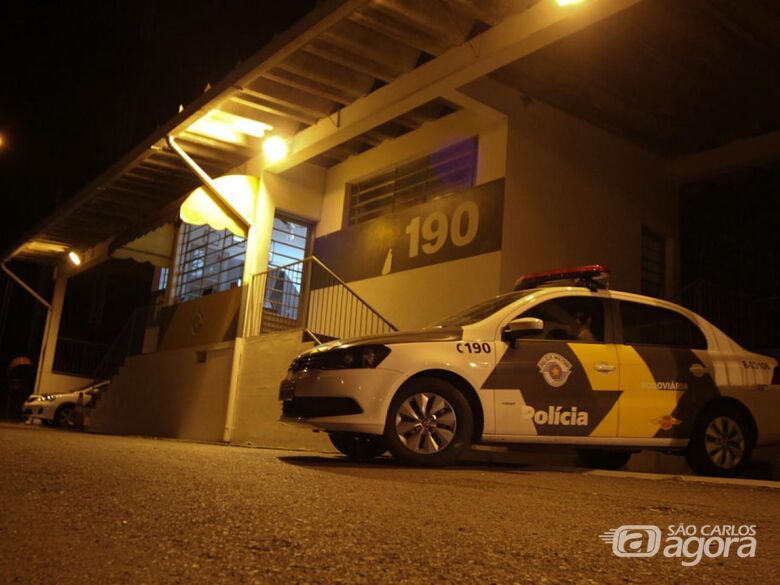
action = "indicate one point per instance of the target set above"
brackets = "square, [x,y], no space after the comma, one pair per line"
[431,161]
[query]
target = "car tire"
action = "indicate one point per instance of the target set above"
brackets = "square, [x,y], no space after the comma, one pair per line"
[429,423]
[358,445]
[721,442]
[603,458]
[63,418]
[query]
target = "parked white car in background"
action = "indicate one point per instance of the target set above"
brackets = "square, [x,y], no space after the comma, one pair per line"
[64,409]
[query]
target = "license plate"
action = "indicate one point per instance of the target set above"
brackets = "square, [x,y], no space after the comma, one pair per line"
[287,390]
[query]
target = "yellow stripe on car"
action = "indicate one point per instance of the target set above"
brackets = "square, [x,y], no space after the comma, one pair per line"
[641,404]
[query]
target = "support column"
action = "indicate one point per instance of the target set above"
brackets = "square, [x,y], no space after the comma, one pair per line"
[258,249]
[51,332]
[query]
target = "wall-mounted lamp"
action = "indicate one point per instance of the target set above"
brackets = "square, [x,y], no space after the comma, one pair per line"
[275,149]
[74,258]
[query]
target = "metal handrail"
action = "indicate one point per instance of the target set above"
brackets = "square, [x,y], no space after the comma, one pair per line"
[119,349]
[333,310]
[346,286]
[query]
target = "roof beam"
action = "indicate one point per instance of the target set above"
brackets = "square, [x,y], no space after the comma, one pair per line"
[276,110]
[352,61]
[400,31]
[310,66]
[289,97]
[730,157]
[372,45]
[433,18]
[314,88]
[517,36]
[491,12]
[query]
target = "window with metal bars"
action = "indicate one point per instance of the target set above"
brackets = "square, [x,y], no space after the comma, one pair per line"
[289,243]
[439,174]
[210,261]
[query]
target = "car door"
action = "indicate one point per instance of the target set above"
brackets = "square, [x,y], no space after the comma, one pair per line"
[562,381]
[665,371]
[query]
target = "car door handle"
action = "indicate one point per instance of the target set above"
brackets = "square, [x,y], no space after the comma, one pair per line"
[699,370]
[604,367]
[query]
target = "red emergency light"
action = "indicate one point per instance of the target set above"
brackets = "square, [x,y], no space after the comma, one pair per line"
[593,277]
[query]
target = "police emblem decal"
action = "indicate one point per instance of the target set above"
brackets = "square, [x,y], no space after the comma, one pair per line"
[555,369]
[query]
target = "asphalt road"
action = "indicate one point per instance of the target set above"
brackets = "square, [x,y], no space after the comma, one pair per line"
[81,508]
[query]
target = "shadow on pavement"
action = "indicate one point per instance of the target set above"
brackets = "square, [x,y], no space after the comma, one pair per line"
[337,462]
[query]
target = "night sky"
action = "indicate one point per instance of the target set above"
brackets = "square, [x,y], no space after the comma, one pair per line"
[82,84]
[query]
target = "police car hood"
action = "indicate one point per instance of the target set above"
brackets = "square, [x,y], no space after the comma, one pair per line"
[415,336]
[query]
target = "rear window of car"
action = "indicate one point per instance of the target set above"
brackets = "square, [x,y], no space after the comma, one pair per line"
[649,325]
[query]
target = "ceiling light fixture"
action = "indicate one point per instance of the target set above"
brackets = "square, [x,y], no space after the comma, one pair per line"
[74,258]
[275,149]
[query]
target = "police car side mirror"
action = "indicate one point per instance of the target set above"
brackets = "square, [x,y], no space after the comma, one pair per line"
[521,327]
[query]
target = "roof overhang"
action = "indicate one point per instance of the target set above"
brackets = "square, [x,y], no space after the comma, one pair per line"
[355,73]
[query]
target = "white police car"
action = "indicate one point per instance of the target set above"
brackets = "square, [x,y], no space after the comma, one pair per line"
[603,371]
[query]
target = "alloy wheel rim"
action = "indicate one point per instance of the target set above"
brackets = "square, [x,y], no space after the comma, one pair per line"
[426,423]
[724,442]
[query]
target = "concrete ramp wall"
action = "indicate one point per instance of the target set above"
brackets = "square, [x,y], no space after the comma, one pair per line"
[180,393]
[264,363]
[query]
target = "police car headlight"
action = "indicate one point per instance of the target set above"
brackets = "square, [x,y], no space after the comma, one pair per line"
[48,397]
[362,356]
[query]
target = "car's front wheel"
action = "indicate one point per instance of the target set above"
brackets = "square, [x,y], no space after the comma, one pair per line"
[721,442]
[358,445]
[429,423]
[65,416]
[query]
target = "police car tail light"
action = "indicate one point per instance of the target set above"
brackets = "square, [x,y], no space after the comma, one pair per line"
[362,356]
[592,276]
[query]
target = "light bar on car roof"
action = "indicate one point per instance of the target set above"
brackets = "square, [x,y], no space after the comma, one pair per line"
[593,276]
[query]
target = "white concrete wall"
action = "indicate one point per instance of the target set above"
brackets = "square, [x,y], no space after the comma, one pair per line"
[58,383]
[264,362]
[168,394]
[416,298]
[578,195]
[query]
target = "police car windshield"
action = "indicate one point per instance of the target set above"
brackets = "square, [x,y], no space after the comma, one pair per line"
[482,310]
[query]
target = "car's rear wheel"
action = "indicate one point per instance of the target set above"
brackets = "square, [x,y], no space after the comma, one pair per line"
[603,458]
[721,442]
[429,423]
[64,417]
[358,445]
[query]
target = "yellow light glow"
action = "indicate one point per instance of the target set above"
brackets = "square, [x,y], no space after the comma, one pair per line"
[45,247]
[2,141]
[568,2]
[74,258]
[274,149]
[228,127]
[240,190]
